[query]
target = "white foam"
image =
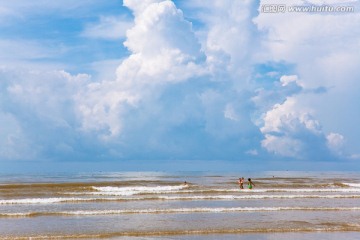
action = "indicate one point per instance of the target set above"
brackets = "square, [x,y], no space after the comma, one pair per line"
[138,190]
[356,185]
[266,190]
[235,209]
[181,210]
[173,210]
[43,200]
[170,198]
[230,197]
[342,190]
[129,191]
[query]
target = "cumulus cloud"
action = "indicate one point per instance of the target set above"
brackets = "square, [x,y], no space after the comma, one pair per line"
[164,51]
[169,99]
[291,130]
[324,59]
[37,110]
[230,43]
[138,6]
[236,86]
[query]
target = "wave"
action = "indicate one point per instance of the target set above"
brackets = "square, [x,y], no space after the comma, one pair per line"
[46,200]
[129,191]
[224,197]
[342,190]
[176,210]
[356,185]
[267,190]
[194,197]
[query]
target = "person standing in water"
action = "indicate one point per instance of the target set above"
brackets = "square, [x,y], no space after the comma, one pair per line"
[241,183]
[250,183]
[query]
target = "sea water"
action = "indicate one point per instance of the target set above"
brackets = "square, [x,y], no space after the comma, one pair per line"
[158,205]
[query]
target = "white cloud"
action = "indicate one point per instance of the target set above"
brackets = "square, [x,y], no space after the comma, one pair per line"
[286,80]
[31,54]
[5,13]
[295,36]
[187,94]
[335,142]
[230,113]
[323,2]
[283,146]
[265,98]
[229,41]
[44,92]
[324,57]
[283,126]
[27,7]
[163,99]
[161,26]
[105,69]
[292,131]
[286,117]
[252,152]
[100,107]
[164,51]
[14,11]
[17,50]
[14,145]
[37,108]
[138,6]
[355,156]
[109,27]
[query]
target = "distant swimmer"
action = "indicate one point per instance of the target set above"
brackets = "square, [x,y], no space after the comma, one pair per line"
[241,183]
[250,183]
[185,184]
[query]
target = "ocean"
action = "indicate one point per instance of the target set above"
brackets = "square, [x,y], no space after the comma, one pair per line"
[159,205]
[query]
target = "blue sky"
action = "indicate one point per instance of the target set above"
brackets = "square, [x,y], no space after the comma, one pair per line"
[164,85]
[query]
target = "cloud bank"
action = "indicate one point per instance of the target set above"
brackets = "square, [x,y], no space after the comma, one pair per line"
[236,85]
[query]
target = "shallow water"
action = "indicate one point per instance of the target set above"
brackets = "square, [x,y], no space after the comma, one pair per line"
[149,205]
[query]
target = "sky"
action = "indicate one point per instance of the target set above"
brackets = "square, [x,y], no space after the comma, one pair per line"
[179,85]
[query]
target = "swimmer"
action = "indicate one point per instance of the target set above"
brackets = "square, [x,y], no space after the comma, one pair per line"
[250,183]
[241,183]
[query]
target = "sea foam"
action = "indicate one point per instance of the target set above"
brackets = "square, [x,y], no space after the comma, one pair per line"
[128,191]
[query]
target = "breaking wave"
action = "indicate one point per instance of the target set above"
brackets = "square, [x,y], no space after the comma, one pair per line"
[179,197]
[176,210]
[129,191]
